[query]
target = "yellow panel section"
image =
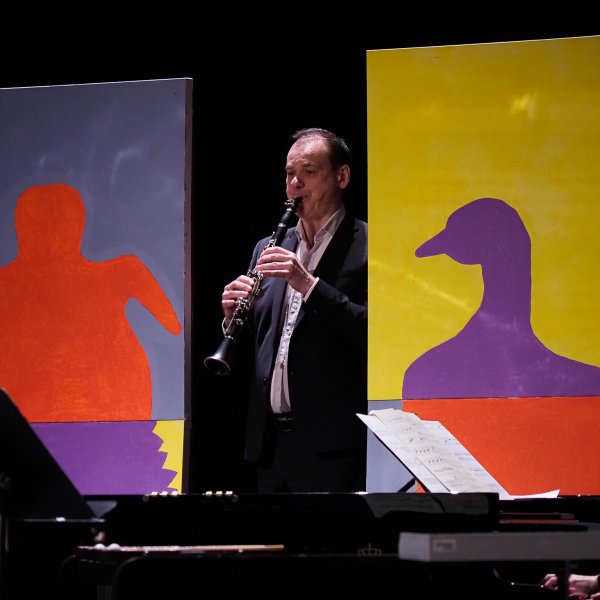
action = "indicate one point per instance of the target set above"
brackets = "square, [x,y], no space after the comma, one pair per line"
[519,121]
[172,434]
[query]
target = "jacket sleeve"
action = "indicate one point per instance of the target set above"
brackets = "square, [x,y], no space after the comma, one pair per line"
[336,310]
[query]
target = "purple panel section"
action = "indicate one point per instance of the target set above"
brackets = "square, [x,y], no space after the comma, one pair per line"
[497,353]
[109,457]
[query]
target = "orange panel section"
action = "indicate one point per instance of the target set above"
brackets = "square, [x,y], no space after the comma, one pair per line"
[529,445]
[70,352]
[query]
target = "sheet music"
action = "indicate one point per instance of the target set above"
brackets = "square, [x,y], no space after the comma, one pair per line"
[405,453]
[479,476]
[432,454]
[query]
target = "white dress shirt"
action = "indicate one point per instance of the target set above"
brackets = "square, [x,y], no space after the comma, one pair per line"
[309,257]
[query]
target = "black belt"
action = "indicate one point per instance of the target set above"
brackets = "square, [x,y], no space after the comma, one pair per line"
[283,421]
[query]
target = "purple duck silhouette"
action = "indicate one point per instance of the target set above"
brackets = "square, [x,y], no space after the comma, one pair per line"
[497,353]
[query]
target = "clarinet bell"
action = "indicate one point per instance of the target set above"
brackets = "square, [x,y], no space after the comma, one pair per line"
[219,362]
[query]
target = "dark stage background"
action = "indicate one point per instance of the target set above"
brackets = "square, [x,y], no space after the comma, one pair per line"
[255,82]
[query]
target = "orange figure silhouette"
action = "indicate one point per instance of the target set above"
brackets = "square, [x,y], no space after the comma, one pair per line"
[68,351]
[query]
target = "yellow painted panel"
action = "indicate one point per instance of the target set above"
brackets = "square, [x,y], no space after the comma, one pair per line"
[518,121]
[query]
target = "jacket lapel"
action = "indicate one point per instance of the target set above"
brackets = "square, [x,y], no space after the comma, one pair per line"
[334,256]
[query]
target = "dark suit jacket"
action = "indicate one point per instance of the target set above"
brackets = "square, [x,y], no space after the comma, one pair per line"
[328,349]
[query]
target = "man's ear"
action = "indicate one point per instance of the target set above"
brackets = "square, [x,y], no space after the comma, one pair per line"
[343,176]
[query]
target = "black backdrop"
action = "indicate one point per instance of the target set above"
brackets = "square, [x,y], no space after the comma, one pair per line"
[254,83]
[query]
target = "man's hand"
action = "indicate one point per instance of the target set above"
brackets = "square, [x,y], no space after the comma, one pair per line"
[238,288]
[278,262]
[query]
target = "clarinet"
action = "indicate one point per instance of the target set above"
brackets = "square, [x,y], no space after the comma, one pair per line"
[219,362]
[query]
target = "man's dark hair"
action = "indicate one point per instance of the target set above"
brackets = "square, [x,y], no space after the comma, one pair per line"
[339,153]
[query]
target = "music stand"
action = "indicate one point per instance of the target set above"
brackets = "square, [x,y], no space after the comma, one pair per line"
[32,484]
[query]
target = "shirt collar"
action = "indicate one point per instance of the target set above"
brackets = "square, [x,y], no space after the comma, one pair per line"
[329,228]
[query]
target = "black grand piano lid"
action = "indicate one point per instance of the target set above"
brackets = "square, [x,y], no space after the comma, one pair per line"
[32,483]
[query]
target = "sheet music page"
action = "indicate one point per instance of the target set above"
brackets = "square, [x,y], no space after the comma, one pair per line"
[399,447]
[436,449]
[440,452]
[434,456]
[479,473]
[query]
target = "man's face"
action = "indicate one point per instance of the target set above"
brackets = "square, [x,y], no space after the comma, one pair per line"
[309,174]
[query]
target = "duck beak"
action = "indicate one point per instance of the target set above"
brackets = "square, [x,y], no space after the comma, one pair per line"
[432,247]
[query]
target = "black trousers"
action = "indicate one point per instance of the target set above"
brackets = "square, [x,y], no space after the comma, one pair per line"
[287,466]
